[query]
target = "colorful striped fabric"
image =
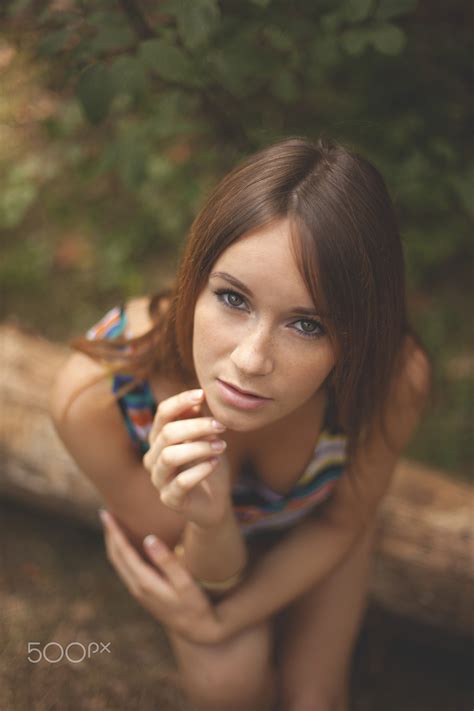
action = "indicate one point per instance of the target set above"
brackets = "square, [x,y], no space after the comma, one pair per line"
[257,506]
[138,406]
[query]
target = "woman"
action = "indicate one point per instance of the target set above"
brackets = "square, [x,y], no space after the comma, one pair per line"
[291,289]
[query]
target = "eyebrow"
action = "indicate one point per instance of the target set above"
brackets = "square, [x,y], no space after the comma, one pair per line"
[240,285]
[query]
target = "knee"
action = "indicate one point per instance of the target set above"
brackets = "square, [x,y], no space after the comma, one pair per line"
[226,690]
[316,700]
[236,676]
[314,704]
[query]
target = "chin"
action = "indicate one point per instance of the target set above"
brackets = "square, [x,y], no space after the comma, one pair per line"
[232,419]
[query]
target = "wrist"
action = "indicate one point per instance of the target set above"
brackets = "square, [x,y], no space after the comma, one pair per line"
[215,554]
[225,521]
[225,627]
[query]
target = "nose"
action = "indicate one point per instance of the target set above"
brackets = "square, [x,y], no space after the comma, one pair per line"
[252,355]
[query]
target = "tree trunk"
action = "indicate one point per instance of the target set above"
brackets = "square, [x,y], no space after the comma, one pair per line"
[424,553]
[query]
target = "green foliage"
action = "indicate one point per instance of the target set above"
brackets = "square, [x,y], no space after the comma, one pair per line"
[151,103]
[386,38]
[95,91]
[196,20]
[166,60]
[213,81]
[20,190]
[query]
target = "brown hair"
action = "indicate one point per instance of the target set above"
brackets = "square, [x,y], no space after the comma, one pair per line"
[347,247]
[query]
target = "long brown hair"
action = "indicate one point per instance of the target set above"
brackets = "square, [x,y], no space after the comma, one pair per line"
[347,247]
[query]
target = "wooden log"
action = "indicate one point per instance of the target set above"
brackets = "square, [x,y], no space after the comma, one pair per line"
[35,467]
[424,552]
[424,549]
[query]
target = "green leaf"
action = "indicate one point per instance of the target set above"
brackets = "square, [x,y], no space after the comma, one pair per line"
[331,22]
[355,41]
[464,186]
[95,91]
[112,38]
[388,38]
[166,60]
[388,9]
[132,155]
[196,20]
[324,53]
[129,76]
[284,86]
[356,10]
[234,68]
[279,39]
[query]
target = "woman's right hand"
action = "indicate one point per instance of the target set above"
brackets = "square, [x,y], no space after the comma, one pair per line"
[193,478]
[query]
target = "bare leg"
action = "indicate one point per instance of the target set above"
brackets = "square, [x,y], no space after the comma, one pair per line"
[318,634]
[235,675]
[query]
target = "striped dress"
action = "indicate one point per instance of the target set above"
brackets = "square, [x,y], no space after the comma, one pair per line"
[257,507]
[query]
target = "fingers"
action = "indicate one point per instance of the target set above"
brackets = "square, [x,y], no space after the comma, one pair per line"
[181,455]
[174,494]
[173,407]
[171,438]
[137,576]
[181,431]
[161,556]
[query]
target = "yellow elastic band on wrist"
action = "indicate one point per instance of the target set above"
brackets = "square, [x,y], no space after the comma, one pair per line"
[213,586]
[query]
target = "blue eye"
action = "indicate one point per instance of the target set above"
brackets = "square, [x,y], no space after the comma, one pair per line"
[221,295]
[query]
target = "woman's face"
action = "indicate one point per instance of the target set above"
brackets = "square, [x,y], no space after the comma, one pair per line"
[255,336]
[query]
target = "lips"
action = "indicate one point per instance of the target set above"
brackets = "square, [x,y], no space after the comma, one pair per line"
[244,392]
[235,398]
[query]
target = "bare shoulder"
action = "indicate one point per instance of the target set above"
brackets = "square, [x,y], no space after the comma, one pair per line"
[81,397]
[408,395]
[84,410]
[369,474]
[81,404]
[76,378]
[84,376]
[416,377]
[84,381]
[138,319]
[138,316]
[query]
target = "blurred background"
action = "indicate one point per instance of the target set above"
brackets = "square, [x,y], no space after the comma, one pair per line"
[117,118]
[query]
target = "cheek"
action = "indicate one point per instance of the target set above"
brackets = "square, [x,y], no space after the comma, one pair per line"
[212,330]
[307,376]
[207,335]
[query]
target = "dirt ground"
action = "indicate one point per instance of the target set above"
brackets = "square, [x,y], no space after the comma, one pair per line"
[58,588]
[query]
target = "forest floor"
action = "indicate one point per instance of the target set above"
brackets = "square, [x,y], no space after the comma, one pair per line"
[58,588]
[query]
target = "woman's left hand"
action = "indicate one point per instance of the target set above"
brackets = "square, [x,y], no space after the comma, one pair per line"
[166,588]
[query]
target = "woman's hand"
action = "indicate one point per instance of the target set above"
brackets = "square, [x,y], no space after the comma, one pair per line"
[166,589]
[192,478]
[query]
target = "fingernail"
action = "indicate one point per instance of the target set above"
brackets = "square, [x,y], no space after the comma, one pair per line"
[151,541]
[218,425]
[196,395]
[104,515]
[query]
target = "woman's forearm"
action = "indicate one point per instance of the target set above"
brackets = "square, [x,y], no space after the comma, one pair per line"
[214,553]
[304,558]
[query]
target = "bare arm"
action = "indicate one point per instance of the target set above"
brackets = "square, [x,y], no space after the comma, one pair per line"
[198,485]
[306,556]
[216,553]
